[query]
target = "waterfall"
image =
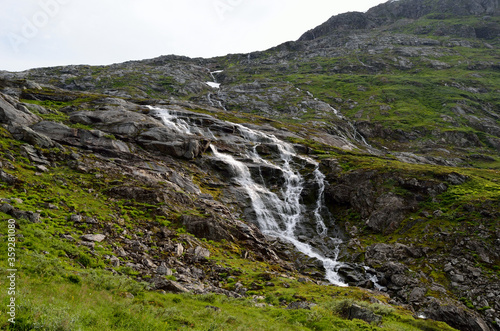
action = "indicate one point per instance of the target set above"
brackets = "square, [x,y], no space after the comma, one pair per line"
[214,84]
[173,122]
[278,212]
[320,202]
[356,134]
[255,191]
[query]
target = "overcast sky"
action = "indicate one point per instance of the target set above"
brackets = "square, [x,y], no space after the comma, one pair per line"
[40,33]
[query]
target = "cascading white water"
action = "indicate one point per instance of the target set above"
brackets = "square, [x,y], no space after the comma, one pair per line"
[277,214]
[214,84]
[255,191]
[175,124]
[320,202]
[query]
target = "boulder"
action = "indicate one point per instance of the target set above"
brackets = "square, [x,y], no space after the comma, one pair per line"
[148,264]
[75,218]
[37,108]
[6,208]
[417,295]
[163,270]
[363,314]
[93,237]
[115,262]
[457,317]
[33,155]
[179,249]
[160,283]
[379,252]
[56,131]
[7,178]
[16,213]
[136,246]
[201,252]
[121,252]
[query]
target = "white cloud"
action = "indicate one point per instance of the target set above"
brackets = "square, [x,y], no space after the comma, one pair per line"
[38,33]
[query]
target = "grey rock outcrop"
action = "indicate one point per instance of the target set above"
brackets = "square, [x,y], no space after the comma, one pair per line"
[456,317]
[32,137]
[93,237]
[14,114]
[119,122]
[363,314]
[8,178]
[164,140]
[31,216]
[392,11]
[87,139]
[167,285]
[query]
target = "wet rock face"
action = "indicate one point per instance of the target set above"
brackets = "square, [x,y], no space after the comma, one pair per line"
[353,275]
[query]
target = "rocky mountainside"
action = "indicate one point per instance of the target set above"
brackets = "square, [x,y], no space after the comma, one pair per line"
[364,154]
[393,11]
